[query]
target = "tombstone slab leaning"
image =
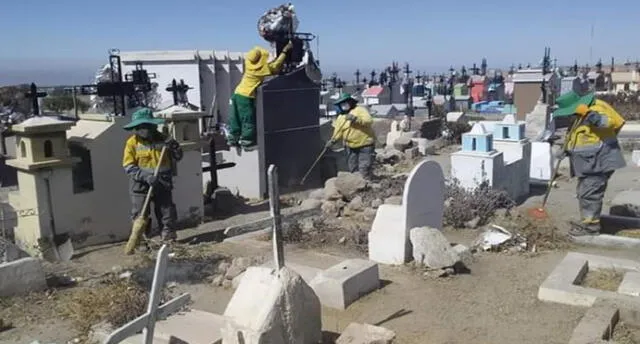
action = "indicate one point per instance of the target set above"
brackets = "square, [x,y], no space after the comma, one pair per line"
[422,206]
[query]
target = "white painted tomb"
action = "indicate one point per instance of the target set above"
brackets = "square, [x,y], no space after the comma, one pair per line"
[422,206]
[88,188]
[500,159]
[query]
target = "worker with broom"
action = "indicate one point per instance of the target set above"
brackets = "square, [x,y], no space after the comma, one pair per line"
[354,127]
[594,153]
[242,116]
[142,154]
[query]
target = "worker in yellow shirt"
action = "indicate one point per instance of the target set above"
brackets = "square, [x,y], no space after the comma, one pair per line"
[594,154]
[353,127]
[242,117]
[141,156]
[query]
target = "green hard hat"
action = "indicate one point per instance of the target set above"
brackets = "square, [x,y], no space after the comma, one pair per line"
[345,97]
[568,102]
[143,116]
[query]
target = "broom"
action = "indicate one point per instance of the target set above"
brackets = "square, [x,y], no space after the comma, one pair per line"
[140,223]
[540,212]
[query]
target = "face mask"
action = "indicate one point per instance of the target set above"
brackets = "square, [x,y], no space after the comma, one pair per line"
[144,132]
[344,107]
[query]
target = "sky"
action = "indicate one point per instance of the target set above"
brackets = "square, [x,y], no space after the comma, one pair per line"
[65,41]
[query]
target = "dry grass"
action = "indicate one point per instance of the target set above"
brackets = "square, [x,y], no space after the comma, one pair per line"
[115,300]
[540,235]
[629,233]
[603,279]
[623,334]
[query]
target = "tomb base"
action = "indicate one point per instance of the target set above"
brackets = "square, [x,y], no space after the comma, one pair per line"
[244,178]
[388,239]
[342,284]
[473,168]
[541,166]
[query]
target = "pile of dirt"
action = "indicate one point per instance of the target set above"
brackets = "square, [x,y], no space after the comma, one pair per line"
[603,279]
[539,235]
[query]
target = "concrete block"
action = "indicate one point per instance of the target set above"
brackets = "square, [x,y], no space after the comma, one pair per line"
[344,283]
[607,240]
[21,276]
[456,117]
[630,284]
[244,178]
[388,241]
[273,307]
[562,285]
[421,144]
[596,324]
[365,334]
[541,161]
[635,157]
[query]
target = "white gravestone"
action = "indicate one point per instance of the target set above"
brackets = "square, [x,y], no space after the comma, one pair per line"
[394,133]
[422,206]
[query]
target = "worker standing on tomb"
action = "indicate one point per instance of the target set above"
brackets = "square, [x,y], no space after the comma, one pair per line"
[242,115]
[594,153]
[141,157]
[354,127]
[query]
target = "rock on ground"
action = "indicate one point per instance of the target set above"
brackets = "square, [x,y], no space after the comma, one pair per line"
[365,334]
[389,156]
[349,184]
[402,143]
[331,190]
[397,200]
[431,248]
[311,203]
[273,307]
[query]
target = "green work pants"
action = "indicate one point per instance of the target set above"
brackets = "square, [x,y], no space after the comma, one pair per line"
[242,118]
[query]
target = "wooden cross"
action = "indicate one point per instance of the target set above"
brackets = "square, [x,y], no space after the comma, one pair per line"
[274,205]
[147,322]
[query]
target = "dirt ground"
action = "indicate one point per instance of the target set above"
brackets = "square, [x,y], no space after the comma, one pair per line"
[496,302]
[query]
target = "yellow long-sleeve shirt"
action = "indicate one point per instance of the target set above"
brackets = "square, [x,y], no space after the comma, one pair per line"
[358,133]
[252,79]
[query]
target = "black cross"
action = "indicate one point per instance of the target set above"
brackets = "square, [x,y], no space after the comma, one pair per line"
[35,95]
[373,76]
[357,74]
[179,91]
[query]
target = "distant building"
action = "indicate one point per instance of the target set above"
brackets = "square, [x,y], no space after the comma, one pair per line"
[527,90]
[625,81]
[376,95]
[479,86]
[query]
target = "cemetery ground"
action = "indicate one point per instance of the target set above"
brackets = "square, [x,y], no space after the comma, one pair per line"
[495,302]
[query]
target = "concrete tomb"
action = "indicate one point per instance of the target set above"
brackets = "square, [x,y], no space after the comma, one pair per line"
[422,205]
[287,116]
[343,284]
[635,157]
[70,175]
[541,162]
[272,306]
[21,277]
[501,159]
[563,284]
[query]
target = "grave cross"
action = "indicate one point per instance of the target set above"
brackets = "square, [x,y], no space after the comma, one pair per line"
[357,74]
[274,206]
[179,91]
[147,321]
[34,95]
[373,77]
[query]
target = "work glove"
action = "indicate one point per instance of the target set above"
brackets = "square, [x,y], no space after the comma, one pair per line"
[150,179]
[329,144]
[171,143]
[287,47]
[352,118]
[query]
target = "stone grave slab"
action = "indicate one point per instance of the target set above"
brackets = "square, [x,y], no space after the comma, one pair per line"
[626,203]
[344,283]
[562,285]
[422,206]
[21,276]
[600,321]
[630,284]
[635,157]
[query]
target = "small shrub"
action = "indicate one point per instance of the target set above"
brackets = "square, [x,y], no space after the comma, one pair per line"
[454,131]
[463,205]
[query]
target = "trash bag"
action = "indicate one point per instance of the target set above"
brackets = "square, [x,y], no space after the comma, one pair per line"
[278,22]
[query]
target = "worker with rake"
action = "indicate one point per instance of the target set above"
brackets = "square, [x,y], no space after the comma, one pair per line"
[354,127]
[594,153]
[242,116]
[142,154]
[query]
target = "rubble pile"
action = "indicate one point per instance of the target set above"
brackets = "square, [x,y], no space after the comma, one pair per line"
[228,273]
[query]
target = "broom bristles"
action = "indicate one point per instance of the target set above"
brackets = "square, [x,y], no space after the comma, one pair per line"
[136,232]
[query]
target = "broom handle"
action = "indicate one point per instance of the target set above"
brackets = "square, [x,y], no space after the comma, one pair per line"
[322,153]
[575,125]
[147,199]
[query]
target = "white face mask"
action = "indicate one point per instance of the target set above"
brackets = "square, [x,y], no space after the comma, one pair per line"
[345,106]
